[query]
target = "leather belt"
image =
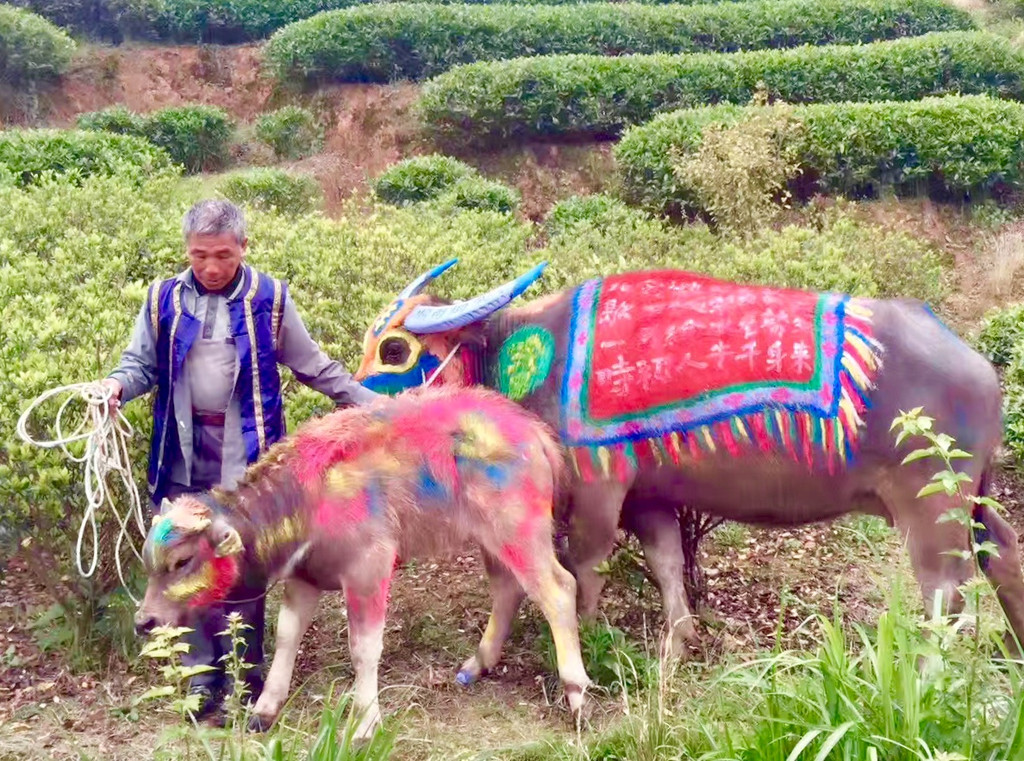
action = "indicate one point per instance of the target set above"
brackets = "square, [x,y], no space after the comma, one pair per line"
[208,418]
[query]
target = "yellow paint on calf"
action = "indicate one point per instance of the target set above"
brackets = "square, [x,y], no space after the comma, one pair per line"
[288,530]
[345,481]
[191,585]
[482,440]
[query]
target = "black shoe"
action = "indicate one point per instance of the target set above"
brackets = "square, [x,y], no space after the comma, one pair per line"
[208,702]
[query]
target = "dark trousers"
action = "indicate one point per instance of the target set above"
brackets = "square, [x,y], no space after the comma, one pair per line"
[206,646]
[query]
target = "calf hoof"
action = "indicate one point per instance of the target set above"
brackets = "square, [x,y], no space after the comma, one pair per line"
[259,723]
[470,672]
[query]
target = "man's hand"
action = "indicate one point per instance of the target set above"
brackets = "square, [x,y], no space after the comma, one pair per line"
[114,387]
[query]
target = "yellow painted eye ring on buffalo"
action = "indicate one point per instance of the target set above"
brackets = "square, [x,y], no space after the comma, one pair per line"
[415,351]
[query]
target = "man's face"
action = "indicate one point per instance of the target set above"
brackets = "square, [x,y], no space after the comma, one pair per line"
[215,258]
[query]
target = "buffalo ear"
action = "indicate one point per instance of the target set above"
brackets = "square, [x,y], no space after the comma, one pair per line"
[226,539]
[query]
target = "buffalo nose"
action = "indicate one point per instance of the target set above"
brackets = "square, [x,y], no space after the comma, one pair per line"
[144,624]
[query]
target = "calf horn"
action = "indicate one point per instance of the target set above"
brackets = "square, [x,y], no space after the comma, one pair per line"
[438,319]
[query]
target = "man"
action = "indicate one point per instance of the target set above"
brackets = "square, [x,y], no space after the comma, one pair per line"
[210,340]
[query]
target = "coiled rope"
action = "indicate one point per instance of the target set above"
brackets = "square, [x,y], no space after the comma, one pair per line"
[106,452]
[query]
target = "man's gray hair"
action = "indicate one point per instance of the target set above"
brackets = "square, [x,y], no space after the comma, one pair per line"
[214,217]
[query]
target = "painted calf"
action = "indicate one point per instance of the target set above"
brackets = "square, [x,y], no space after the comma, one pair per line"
[337,503]
[762,405]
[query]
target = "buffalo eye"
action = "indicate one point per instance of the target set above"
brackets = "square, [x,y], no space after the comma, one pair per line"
[394,351]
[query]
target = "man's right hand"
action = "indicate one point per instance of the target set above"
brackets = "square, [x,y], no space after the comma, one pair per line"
[114,387]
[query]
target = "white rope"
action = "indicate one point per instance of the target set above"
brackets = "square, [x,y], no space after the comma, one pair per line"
[106,451]
[433,375]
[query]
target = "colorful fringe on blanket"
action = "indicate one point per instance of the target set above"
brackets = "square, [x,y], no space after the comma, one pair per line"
[668,366]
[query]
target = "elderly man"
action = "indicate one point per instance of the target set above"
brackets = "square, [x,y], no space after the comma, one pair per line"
[210,340]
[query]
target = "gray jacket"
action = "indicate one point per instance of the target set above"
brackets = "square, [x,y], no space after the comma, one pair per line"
[137,374]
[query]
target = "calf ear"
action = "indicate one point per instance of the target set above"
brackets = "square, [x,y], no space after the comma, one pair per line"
[226,539]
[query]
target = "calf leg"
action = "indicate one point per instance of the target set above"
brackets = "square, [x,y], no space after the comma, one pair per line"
[658,531]
[1004,571]
[507,595]
[592,532]
[366,599]
[297,610]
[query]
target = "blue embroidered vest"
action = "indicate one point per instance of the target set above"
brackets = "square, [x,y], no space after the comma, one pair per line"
[255,321]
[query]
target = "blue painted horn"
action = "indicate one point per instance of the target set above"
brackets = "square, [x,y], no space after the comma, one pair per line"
[438,319]
[423,280]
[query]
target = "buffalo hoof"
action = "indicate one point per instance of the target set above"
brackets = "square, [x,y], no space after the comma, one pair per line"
[258,724]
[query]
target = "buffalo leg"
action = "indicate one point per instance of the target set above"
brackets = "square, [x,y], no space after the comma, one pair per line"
[297,610]
[1003,571]
[592,533]
[657,529]
[507,595]
[929,543]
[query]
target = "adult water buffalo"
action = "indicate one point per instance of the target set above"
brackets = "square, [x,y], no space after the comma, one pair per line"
[762,405]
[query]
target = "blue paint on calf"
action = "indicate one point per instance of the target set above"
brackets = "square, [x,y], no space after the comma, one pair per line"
[499,475]
[464,678]
[374,499]
[429,487]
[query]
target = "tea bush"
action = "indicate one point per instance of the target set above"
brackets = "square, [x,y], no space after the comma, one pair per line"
[1002,340]
[291,131]
[26,154]
[481,194]
[272,189]
[571,212]
[497,101]
[210,21]
[196,136]
[117,119]
[420,178]
[383,42]
[31,48]
[954,145]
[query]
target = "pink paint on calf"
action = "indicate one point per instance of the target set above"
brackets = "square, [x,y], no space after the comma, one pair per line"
[225,575]
[370,609]
[337,515]
[516,559]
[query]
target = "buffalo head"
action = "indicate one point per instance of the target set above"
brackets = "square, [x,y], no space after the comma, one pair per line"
[192,556]
[417,336]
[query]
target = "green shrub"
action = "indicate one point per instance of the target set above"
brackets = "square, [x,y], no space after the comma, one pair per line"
[420,178]
[481,194]
[291,131]
[1002,335]
[268,188]
[387,42]
[116,119]
[197,137]
[211,21]
[952,144]
[572,212]
[27,154]
[31,48]
[492,102]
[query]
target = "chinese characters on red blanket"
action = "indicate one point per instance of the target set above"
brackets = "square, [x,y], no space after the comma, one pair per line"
[665,338]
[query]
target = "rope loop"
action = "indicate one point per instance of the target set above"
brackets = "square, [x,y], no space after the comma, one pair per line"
[106,439]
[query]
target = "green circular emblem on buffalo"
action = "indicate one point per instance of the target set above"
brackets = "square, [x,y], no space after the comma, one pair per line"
[524,361]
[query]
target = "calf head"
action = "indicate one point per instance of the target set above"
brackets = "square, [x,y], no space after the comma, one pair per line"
[193,557]
[417,336]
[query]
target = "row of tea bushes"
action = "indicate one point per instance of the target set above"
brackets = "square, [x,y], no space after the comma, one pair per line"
[394,41]
[598,96]
[954,144]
